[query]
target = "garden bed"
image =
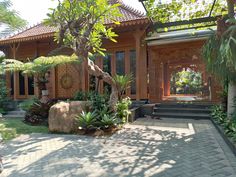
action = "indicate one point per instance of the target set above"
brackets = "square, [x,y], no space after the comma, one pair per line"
[228,140]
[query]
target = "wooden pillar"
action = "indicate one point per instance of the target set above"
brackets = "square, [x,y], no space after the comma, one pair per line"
[155,80]
[127,70]
[141,66]
[16,74]
[165,79]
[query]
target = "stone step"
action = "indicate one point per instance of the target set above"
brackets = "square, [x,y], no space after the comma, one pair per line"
[181,110]
[182,115]
[184,105]
[15,114]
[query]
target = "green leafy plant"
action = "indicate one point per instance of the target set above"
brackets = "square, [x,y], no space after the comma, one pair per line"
[122,108]
[122,82]
[80,96]
[87,120]
[3,95]
[108,120]
[230,127]
[218,114]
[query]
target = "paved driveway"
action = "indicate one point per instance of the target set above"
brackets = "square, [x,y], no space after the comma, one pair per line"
[166,148]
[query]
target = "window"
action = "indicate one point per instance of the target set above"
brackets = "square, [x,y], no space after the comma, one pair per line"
[30,86]
[21,83]
[132,56]
[107,63]
[120,63]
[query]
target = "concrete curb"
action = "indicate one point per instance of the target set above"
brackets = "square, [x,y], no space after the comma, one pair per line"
[227,140]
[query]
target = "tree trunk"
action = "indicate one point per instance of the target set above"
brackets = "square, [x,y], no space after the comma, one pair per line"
[232,86]
[230,4]
[106,77]
[231,98]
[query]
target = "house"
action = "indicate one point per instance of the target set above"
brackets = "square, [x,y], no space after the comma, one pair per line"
[151,60]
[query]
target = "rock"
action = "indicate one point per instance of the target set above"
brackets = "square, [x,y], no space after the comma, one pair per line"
[62,116]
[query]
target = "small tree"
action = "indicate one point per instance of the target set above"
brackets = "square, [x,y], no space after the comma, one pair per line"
[82,28]
[38,67]
[9,18]
[220,55]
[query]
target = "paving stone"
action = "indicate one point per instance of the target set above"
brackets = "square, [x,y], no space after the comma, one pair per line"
[148,147]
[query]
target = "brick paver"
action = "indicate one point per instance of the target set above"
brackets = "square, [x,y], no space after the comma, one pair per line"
[162,148]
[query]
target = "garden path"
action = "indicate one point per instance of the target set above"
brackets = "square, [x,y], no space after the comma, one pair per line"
[162,148]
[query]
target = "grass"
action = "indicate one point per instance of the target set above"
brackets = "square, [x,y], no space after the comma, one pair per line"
[12,127]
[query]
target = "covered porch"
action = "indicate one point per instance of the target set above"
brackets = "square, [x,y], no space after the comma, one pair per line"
[174,52]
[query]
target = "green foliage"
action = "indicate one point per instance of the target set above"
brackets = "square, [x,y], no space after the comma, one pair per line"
[7,133]
[186,81]
[219,55]
[38,113]
[122,82]
[122,109]
[229,125]
[26,105]
[3,94]
[82,24]
[10,128]
[99,101]
[39,65]
[166,11]
[108,120]
[10,18]
[218,114]
[80,96]
[87,120]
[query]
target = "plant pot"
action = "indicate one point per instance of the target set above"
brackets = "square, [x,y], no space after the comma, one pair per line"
[45,93]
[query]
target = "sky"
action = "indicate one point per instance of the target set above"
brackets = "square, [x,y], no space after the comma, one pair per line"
[34,11]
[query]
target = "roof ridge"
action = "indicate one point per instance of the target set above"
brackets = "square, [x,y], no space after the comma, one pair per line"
[129,8]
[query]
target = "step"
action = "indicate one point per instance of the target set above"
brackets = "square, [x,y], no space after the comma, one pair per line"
[182,110]
[14,116]
[197,106]
[16,112]
[182,115]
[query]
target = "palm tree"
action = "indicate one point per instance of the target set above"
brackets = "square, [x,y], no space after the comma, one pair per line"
[9,18]
[220,56]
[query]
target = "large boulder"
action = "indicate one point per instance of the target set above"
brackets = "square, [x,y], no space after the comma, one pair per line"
[62,116]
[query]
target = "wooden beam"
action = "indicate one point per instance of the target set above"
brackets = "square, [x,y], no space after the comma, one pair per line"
[186,22]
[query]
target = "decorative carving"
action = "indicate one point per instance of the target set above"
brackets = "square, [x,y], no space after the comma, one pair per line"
[66,81]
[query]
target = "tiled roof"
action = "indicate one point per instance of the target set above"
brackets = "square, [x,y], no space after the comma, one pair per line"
[129,16]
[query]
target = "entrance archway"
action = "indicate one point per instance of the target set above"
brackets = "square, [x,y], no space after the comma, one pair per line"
[185,80]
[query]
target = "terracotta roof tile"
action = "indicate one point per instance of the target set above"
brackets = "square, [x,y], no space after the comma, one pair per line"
[39,31]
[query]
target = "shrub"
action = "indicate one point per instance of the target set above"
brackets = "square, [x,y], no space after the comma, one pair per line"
[108,121]
[80,96]
[99,101]
[218,114]
[27,104]
[3,95]
[122,108]
[122,82]
[87,120]
[38,113]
